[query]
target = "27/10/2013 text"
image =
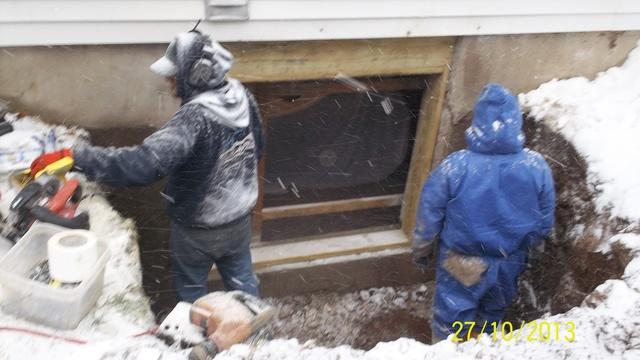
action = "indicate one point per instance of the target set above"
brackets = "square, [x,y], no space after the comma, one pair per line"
[542,331]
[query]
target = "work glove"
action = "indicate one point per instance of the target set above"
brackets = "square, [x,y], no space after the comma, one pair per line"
[422,251]
[46,159]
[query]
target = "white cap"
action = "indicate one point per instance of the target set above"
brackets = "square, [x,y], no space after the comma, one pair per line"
[166,65]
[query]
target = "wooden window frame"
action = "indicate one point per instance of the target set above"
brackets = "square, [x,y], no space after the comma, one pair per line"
[323,60]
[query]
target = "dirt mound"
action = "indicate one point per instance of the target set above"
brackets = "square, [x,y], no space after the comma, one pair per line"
[360,319]
[569,269]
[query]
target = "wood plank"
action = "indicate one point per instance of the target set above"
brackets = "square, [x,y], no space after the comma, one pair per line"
[315,88]
[288,97]
[256,224]
[328,207]
[281,254]
[311,60]
[422,158]
[349,273]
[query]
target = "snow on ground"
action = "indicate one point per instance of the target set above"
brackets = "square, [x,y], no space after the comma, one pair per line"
[30,137]
[121,311]
[601,118]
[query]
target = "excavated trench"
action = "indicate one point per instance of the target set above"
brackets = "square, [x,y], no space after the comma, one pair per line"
[560,279]
[570,268]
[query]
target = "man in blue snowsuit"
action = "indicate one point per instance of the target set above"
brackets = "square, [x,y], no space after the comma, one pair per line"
[209,150]
[489,205]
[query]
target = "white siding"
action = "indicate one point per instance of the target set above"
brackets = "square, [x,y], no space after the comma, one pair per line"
[49,22]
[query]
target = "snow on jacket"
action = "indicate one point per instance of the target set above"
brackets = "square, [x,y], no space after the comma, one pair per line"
[495,198]
[209,150]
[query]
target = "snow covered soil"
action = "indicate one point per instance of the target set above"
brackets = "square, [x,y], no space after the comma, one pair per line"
[361,318]
[29,138]
[121,311]
[601,118]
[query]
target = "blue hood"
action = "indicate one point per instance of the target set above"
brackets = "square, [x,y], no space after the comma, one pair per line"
[497,123]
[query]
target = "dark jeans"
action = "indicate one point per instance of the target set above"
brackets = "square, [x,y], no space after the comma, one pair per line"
[194,251]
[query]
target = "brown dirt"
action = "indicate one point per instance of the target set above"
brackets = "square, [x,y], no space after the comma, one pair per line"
[561,279]
[360,319]
[390,327]
[575,208]
[569,269]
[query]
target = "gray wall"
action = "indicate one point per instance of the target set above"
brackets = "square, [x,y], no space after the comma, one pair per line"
[110,86]
[91,86]
[521,63]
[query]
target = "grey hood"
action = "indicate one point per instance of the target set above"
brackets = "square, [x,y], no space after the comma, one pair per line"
[228,103]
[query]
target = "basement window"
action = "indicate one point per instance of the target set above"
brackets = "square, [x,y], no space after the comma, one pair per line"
[338,156]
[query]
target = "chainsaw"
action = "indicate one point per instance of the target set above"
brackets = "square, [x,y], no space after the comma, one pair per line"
[218,320]
[47,197]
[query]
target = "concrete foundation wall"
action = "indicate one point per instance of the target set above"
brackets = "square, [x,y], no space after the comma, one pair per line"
[111,86]
[521,63]
[90,86]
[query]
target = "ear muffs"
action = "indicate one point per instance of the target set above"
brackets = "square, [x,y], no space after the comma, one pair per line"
[202,69]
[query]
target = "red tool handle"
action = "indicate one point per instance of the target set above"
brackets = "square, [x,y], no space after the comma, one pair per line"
[45,215]
[60,199]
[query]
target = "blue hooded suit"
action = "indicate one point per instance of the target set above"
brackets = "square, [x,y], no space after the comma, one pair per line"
[494,200]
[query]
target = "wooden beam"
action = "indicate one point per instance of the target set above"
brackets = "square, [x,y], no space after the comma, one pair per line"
[288,97]
[329,207]
[342,274]
[256,223]
[422,158]
[290,62]
[312,60]
[327,87]
[280,254]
